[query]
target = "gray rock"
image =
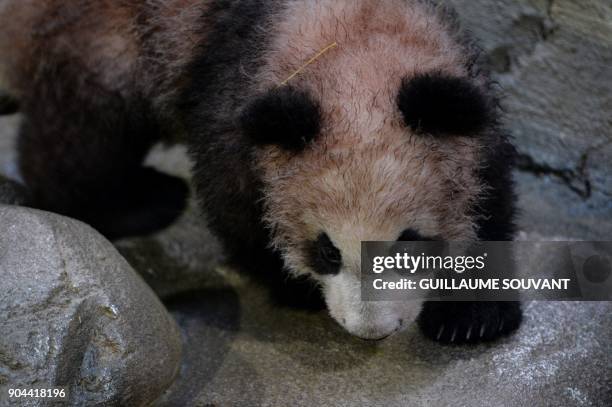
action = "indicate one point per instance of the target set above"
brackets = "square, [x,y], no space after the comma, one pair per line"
[73,313]
[261,355]
[552,59]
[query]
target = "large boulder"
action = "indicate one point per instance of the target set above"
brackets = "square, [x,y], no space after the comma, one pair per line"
[73,313]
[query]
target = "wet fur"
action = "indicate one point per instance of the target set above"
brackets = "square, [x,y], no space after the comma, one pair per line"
[142,71]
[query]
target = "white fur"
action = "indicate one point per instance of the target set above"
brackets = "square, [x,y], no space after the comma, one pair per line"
[365,319]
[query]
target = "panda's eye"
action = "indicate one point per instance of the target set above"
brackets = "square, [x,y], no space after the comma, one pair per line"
[330,254]
[323,256]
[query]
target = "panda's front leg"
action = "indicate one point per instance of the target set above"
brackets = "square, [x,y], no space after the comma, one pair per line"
[469,322]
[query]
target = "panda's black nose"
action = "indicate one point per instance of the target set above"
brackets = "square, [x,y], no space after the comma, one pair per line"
[323,256]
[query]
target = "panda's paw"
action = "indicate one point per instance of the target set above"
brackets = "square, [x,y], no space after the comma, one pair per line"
[148,202]
[468,322]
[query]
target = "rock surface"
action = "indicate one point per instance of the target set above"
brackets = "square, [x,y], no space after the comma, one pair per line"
[240,350]
[552,59]
[73,313]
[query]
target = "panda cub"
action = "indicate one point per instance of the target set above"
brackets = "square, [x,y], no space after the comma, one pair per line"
[313,125]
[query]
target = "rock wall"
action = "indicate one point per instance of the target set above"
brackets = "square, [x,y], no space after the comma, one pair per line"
[553,59]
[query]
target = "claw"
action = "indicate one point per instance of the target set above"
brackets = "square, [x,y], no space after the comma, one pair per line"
[469,333]
[440,331]
[482,330]
[453,335]
[501,325]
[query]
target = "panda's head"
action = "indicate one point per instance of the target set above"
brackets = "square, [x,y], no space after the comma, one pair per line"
[376,141]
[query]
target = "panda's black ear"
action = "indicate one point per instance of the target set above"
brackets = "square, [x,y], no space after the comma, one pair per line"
[284,116]
[440,104]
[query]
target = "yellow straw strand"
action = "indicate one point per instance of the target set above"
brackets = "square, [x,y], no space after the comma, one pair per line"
[310,61]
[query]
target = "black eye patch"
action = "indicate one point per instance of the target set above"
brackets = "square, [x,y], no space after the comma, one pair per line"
[323,256]
[440,104]
[286,117]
